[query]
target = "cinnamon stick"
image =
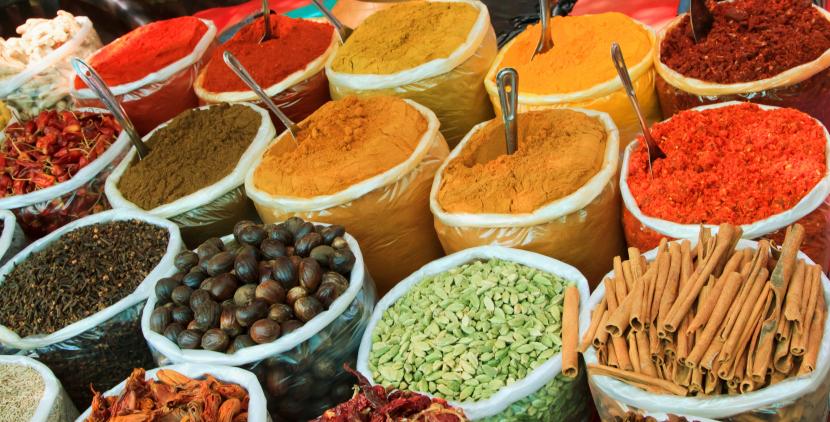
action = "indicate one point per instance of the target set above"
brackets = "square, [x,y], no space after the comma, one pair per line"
[602,334]
[570,332]
[808,364]
[629,376]
[799,344]
[793,311]
[718,313]
[596,316]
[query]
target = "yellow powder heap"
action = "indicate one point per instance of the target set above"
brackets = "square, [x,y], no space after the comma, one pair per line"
[559,151]
[405,36]
[581,55]
[342,143]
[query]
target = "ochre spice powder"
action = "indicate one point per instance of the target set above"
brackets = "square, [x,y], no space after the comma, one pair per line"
[558,152]
[735,164]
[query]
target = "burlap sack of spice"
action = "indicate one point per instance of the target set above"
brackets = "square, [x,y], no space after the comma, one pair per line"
[288,367]
[608,96]
[581,228]
[803,87]
[212,210]
[297,96]
[159,96]
[545,389]
[53,404]
[450,86]
[812,211]
[89,350]
[388,213]
[802,398]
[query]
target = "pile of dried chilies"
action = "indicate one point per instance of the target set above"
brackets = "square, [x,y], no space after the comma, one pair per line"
[379,404]
[174,397]
[711,319]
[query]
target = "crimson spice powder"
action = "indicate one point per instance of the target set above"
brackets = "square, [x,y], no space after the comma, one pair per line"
[735,164]
[750,40]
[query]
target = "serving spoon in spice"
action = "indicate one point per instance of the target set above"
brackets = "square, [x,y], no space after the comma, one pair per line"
[545,38]
[243,74]
[508,85]
[266,21]
[654,151]
[701,19]
[342,30]
[94,82]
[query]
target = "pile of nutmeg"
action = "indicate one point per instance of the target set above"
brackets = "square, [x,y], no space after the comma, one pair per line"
[268,282]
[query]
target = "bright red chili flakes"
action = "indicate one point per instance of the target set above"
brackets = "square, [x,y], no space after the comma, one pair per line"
[736,164]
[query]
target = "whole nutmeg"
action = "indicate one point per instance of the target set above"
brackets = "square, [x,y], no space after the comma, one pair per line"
[339,243]
[331,277]
[178,276]
[327,294]
[182,314]
[342,261]
[304,229]
[244,295]
[289,251]
[215,340]
[294,294]
[220,263]
[171,332]
[193,325]
[207,314]
[198,297]
[252,235]
[228,323]
[246,315]
[289,326]
[306,308]
[276,382]
[160,318]
[194,278]
[305,244]
[266,268]
[264,331]
[285,272]
[242,341]
[280,312]
[237,228]
[331,232]
[271,292]
[207,249]
[189,339]
[217,242]
[224,286]
[310,274]
[186,260]
[181,295]
[203,263]
[321,254]
[272,248]
[293,224]
[164,288]
[280,234]
[246,267]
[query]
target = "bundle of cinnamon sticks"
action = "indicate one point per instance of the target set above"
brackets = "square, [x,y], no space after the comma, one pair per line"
[711,319]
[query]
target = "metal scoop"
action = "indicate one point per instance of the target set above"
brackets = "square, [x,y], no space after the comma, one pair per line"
[266,21]
[701,19]
[243,74]
[545,39]
[97,85]
[342,30]
[654,151]
[508,85]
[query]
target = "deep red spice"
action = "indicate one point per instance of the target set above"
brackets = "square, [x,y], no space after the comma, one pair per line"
[750,40]
[146,49]
[736,164]
[295,43]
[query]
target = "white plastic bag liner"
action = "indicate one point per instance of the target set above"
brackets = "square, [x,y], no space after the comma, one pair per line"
[548,230]
[74,351]
[212,210]
[161,95]
[450,86]
[810,203]
[333,336]
[777,398]
[12,240]
[40,210]
[54,405]
[257,411]
[45,84]
[521,389]
[388,212]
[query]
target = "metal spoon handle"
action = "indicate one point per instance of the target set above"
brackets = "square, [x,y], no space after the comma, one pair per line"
[545,42]
[243,74]
[266,19]
[508,85]
[94,82]
[342,29]
[625,78]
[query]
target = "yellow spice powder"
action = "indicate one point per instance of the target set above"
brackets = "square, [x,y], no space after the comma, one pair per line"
[558,152]
[581,55]
[404,36]
[343,143]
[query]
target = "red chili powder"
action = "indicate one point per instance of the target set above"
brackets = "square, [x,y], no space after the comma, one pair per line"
[750,40]
[736,164]
[294,44]
[146,49]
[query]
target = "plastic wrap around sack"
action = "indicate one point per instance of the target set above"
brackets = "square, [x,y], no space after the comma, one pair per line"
[805,87]
[12,240]
[89,350]
[301,372]
[257,411]
[812,211]
[451,86]
[54,404]
[802,398]
[212,210]
[297,95]
[608,97]
[513,402]
[582,229]
[161,95]
[388,213]
[45,84]
[42,211]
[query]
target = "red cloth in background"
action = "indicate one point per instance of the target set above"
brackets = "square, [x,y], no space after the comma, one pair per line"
[651,12]
[225,16]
